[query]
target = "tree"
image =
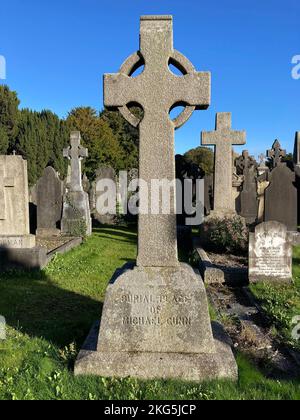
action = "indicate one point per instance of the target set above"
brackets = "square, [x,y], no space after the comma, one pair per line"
[203,157]
[9,103]
[126,134]
[98,137]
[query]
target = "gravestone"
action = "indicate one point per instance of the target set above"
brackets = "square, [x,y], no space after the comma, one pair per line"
[223,139]
[155,321]
[100,195]
[17,246]
[297,169]
[76,219]
[49,203]
[276,154]
[14,207]
[270,253]
[281,201]
[246,166]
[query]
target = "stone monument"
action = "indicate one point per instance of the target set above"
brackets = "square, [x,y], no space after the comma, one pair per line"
[270,253]
[76,218]
[155,321]
[49,203]
[17,247]
[104,173]
[248,198]
[223,139]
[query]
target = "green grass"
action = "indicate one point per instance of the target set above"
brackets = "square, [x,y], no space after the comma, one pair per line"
[50,313]
[281,303]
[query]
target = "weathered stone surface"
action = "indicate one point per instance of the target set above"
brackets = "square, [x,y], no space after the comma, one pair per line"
[14,203]
[223,139]
[297,149]
[270,253]
[183,366]
[281,201]
[157,90]
[49,203]
[248,198]
[276,154]
[100,212]
[76,219]
[29,258]
[157,314]
[156,310]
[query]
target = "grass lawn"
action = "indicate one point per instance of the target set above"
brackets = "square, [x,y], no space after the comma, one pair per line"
[50,313]
[282,304]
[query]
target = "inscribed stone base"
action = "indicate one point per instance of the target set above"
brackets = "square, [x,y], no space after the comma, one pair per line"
[17,241]
[155,324]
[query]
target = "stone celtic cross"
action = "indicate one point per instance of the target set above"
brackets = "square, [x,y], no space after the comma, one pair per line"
[157,90]
[245,162]
[223,139]
[276,153]
[75,153]
[5,182]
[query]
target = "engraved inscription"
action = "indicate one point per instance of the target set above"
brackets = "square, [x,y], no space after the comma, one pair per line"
[153,308]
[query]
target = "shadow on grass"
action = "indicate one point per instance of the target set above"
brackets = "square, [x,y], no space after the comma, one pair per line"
[32,304]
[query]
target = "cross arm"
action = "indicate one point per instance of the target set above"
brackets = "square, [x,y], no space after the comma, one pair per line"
[193,89]
[120,89]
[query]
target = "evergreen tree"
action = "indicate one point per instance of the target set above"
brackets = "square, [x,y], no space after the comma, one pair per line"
[203,157]
[9,103]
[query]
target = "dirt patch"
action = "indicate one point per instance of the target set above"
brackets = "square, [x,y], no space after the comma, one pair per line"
[52,243]
[228,260]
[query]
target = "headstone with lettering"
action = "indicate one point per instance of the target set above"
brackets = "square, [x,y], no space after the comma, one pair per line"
[155,321]
[49,203]
[281,200]
[270,253]
[14,204]
[105,176]
[223,139]
[76,219]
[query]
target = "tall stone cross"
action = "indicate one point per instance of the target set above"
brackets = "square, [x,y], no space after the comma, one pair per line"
[276,153]
[5,182]
[223,139]
[75,154]
[157,90]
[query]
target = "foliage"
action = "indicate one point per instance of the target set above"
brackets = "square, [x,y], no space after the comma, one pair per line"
[41,136]
[203,157]
[9,103]
[227,234]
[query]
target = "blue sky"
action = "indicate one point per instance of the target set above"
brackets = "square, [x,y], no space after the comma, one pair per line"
[57,51]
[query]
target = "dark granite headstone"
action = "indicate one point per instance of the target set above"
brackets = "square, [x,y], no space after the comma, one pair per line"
[248,198]
[281,197]
[49,203]
[99,213]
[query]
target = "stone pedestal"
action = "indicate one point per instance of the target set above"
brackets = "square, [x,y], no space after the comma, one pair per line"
[155,324]
[17,241]
[76,218]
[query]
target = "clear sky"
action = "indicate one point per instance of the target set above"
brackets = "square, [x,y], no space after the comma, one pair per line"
[57,51]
